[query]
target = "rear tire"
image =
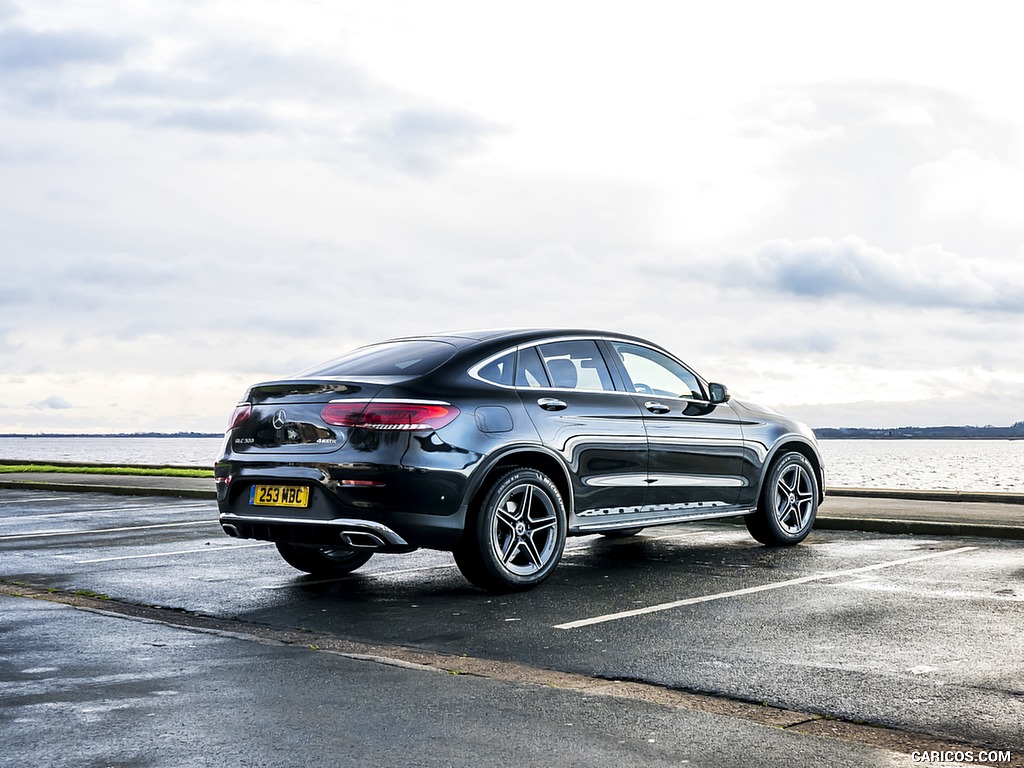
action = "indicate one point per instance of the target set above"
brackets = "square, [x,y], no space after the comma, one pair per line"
[323,561]
[516,537]
[789,503]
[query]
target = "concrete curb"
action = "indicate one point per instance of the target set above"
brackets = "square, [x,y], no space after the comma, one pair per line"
[99,464]
[918,527]
[908,527]
[120,490]
[980,497]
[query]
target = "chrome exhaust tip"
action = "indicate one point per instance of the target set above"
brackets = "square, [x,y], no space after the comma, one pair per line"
[362,540]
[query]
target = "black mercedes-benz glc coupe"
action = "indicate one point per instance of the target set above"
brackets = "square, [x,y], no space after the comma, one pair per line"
[496,446]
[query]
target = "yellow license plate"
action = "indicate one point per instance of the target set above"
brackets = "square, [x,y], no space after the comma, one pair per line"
[279,496]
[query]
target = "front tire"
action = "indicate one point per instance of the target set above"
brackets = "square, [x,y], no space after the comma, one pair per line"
[323,561]
[517,535]
[788,504]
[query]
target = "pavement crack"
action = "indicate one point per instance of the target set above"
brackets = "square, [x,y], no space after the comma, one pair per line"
[807,721]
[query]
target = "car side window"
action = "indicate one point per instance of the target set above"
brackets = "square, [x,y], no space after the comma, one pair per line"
[531,372]
[576,365]
[499,371]
[652,373]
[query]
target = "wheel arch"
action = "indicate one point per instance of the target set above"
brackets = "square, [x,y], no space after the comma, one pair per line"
[794,444]
[531,457]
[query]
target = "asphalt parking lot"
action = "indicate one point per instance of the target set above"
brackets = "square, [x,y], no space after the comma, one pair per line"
[914,633]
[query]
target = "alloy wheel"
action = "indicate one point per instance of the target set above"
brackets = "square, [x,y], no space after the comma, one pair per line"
[524,529]
[794,499]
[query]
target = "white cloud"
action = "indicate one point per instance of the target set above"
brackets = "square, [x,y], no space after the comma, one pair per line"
[233,85]
[24,50]
[52,403]
[200,195]
[964,184]
[927,276]
[905,115]
[872,159]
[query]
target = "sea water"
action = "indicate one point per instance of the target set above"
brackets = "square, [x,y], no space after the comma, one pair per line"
[953,465]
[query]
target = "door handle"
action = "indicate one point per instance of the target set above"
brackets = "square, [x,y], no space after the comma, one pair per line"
[552,404]
[655,407]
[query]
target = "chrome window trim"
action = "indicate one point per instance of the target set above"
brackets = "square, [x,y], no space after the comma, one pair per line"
[706,391]
[474,372]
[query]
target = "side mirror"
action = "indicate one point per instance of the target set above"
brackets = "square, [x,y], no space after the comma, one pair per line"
[719,393]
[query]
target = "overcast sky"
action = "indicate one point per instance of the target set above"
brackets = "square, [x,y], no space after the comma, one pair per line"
[821,206]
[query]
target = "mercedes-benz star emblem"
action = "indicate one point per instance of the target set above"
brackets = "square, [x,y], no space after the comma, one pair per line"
[280,419]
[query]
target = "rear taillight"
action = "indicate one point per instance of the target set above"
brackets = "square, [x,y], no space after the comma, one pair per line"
[389,415]
[240,416]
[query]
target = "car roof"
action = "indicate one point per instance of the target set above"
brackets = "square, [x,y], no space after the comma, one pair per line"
[470,338]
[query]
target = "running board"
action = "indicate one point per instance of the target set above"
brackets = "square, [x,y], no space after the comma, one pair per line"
[646,522]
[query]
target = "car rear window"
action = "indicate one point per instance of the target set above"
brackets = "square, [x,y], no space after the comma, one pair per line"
[391,358]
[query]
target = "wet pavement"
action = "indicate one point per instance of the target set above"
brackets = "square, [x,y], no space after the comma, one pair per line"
[918,633]
[86,689]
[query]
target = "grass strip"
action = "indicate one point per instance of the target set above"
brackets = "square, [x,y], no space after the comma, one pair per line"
[146,471]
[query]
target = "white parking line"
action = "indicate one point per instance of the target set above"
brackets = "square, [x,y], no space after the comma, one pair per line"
[45,534]
[687,535]
[178,552]
[291,584]
[415,570]
[80,513]
[35,499]
[753,590]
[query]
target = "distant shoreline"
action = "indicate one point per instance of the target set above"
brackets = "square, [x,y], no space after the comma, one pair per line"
[1015,432]
[187,435]
[965,438]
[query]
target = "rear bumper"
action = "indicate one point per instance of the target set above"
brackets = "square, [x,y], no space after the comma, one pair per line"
[384,507]
[349,533]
